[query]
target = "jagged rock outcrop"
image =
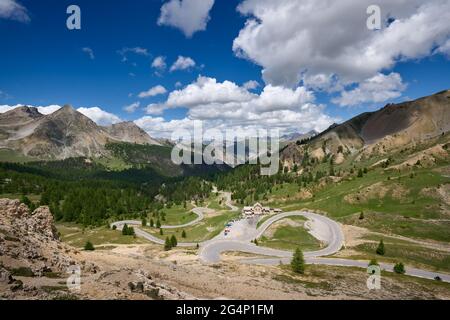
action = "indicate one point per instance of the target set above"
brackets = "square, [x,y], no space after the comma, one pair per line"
[30,240]
[34,263]
[141,284]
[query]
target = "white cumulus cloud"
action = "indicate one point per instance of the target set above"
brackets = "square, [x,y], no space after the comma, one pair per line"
[132,107]
[379,88]
[6,108]
[292,39]
[251,85]
[189,16]
[124,52]
[49,109]
[99,116]
[159,63]
[225,105]
[13,10]
[444,49]
[158,127]
[182,63]
[154,91]
[205,91]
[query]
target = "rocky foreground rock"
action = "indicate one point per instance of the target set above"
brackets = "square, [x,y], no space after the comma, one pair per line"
[30,240]
[34,263]
[29,246]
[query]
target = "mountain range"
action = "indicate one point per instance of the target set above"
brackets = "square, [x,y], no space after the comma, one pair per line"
[384,132]
[295,136]
[63,134]
[67,133]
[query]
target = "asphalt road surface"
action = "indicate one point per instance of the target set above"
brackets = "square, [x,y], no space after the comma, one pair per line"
[240,241]
[198,211]
[242,232]
[350,263]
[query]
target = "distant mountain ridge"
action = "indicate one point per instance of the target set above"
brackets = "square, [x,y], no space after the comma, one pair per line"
[385,131]
[63,134]
[299,136]
[67,133]
[131,133]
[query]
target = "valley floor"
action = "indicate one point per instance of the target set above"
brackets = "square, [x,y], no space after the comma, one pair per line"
[182,270]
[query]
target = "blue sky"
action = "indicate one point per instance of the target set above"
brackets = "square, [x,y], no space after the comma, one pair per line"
[43,63]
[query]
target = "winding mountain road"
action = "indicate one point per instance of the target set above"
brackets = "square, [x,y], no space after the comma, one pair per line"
[228,202]
[323,228]
[143,234]
[419,273]
[244,231]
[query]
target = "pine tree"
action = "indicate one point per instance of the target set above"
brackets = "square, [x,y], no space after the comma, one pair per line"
[173,241]
[144,222]
[26,201]
[167,244]
[161,232]
[381,250]
[128,231]
[158,224]
[399,268]
[152,223]
[89,246]
[183,234]
[360,173]
[125,230]
[298,262]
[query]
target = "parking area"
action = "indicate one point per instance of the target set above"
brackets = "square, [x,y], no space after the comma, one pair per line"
[243,229]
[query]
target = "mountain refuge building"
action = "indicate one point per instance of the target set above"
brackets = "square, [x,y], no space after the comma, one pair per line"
[258,210]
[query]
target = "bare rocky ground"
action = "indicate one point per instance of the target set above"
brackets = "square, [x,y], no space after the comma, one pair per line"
[34,263]
[144,271]
[232,280]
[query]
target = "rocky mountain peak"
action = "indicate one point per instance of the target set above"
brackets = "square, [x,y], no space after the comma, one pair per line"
[67,110]
[33,112]
[388,130]
[129,132]
[22,113]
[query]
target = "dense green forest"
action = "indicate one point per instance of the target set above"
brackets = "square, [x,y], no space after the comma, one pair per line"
[158,158]
[77,190]
[90,193]
[248,185]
